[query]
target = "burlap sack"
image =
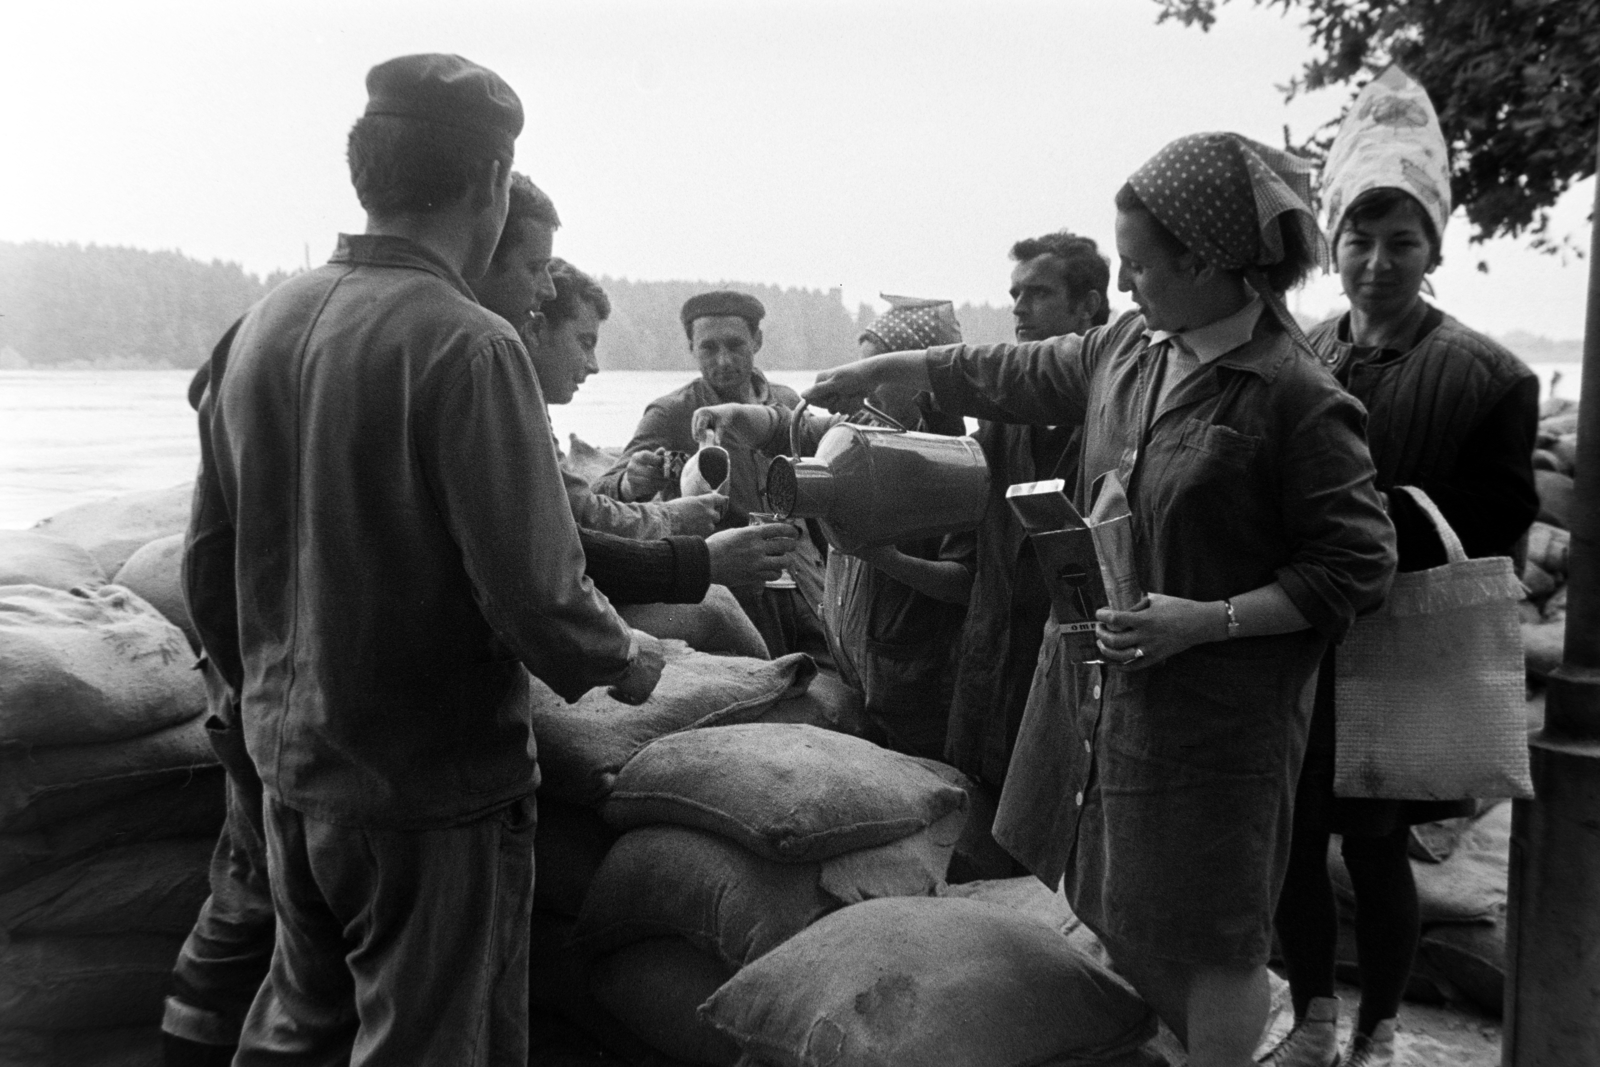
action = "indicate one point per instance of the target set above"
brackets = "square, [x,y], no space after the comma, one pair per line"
[28,557]
[1467,887]
[716,624]
[582,746]
[927,983]
[669,881]
[43,786]
[828,702]
[192,806]
[63,983]
[82,667]
[153,887]
[790,793]
[155,572]
[114,529]
[654,988]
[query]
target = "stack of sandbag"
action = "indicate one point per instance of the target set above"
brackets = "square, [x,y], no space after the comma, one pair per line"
[733,840]
[1461,872]
[112,530]
[110,802]
[1544,611]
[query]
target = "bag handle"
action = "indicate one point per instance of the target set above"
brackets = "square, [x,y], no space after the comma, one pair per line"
[1453,549]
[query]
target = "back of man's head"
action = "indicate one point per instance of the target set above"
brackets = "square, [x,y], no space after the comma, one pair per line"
[1083,268]
[433,126]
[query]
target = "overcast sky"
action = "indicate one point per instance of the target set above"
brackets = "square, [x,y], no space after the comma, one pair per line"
[897,147]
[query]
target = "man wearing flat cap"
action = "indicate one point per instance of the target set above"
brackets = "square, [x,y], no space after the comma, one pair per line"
[380,551]
[724,332]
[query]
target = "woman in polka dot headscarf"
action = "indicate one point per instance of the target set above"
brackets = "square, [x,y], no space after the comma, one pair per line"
[1157,780]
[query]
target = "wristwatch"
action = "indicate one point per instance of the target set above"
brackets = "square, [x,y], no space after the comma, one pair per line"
[1233,620]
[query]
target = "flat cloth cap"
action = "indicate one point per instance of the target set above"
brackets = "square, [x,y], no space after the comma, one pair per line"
[451,93]
[722,302]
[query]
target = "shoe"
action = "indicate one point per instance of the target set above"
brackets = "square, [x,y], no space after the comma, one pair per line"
[1314,1041]
[1371,1050]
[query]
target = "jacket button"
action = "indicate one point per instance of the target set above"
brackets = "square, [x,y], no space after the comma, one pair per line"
[1079,799]
[1088,748]
[1097,692]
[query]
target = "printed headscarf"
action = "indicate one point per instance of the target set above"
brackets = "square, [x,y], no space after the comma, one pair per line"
[1227,198]
[1389,139]
[912,323]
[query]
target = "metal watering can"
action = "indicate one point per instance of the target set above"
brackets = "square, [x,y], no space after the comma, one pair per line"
[872,486]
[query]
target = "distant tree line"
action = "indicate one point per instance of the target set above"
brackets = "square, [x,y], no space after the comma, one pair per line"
[69,305]
[76,305]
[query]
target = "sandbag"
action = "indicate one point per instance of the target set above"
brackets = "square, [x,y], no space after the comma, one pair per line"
[1472,958]
[1549,546]
[89,666]
[654,988]
[153,887]
[716,624]
[1542,646]
[43,786]
[155,572]
[114,529]
[1555,498]
[62,983]
[582,746]
[588,461]
[928,983]
[787,792]
[193,806]
[568,849]
[977,856]
[557,986]
[28,557]
[116,1046]
[1465,888]
[828,702]
[670,881]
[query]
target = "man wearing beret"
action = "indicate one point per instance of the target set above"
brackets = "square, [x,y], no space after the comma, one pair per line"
[724,332]
[380,550]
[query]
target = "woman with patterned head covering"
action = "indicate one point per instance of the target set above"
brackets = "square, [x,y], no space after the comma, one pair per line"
[892,615]
[1450,411]
[1157,778]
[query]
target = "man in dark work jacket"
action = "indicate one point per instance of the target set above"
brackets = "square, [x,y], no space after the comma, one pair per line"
[380,546]
[1057,287]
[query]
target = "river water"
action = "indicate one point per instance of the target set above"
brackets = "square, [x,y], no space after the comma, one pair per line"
[72,436]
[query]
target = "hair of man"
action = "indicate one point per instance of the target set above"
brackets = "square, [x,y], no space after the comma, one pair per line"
[400,167]
[574,288]
[529,205]
[1298,262]
[1083,268]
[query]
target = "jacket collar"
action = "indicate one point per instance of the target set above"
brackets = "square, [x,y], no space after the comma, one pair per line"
[382,250]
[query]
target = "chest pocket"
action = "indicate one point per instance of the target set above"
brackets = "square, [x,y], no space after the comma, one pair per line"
[1220,445]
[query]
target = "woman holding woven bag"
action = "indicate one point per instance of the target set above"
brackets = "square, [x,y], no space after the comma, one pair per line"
[1157,779]
[1449,411]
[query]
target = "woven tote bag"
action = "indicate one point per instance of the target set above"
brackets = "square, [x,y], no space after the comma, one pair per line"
[1429,690]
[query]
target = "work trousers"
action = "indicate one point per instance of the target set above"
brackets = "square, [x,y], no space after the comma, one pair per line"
[396,947]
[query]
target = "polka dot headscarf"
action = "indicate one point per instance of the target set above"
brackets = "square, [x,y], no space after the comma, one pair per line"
[911,323]
[1226,198]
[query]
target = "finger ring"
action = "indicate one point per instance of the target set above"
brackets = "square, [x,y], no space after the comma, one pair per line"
[1138,653]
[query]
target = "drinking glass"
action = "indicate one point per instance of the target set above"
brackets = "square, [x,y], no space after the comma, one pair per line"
[761,518]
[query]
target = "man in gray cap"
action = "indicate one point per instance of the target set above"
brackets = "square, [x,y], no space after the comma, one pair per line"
[380,550]
[724,332]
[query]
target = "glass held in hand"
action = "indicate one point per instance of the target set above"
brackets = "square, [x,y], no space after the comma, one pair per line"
[762,518]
